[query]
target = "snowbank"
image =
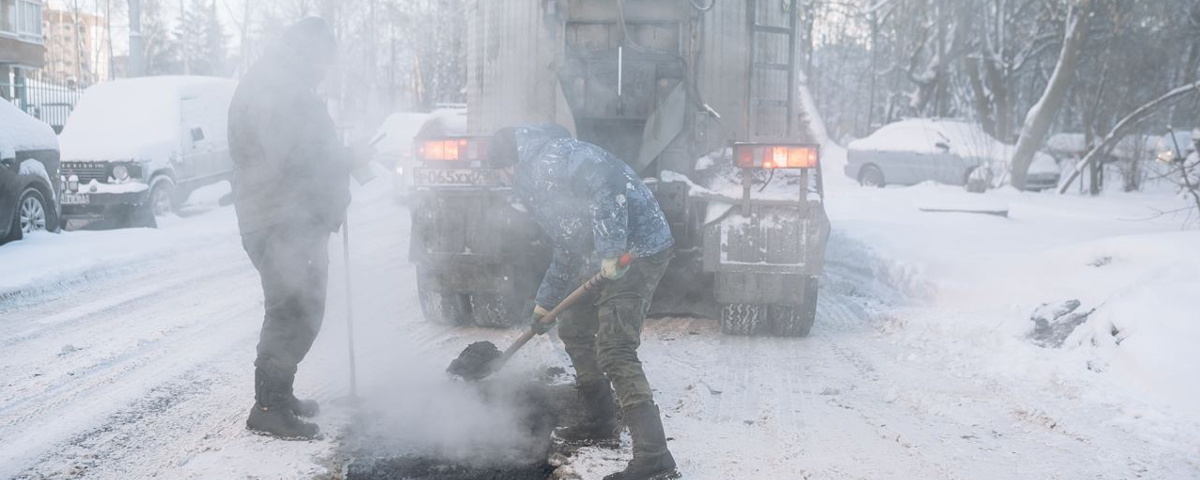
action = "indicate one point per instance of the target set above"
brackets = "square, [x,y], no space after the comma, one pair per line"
[977,279]
[19,132]
[140,118]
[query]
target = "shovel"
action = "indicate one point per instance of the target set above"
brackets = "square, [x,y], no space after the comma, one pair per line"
[481,359]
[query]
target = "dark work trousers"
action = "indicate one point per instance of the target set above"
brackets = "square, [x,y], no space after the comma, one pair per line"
[293,263]
[602,333]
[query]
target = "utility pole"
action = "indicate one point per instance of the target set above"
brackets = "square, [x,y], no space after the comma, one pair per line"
[136,50]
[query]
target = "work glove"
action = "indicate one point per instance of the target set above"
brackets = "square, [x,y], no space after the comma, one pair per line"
[537,326]
[611,268]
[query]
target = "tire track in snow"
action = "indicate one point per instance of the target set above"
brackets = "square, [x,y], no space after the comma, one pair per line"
[102,356]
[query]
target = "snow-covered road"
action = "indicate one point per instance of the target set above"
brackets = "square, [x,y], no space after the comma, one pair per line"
[142,368]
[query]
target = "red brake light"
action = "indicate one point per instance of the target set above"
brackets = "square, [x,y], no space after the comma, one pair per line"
[446,150]
[775,156]
[452,149]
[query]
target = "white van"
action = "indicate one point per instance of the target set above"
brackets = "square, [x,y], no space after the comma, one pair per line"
[135,149]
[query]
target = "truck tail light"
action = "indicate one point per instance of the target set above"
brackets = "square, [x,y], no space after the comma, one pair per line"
[764,156]
[455,149]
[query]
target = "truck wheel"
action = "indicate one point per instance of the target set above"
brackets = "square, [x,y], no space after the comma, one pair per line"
[796,320]
[450,309]
[495,311]
[742,318]
[871,176]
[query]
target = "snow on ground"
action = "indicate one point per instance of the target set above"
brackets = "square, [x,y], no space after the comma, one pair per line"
[128,353]
[973,281]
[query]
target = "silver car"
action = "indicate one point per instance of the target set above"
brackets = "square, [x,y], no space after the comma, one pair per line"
[909,152]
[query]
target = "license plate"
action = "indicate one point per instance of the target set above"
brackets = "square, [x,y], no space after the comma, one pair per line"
[75,199]
[454,176]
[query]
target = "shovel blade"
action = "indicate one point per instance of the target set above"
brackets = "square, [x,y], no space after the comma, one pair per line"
[475,362]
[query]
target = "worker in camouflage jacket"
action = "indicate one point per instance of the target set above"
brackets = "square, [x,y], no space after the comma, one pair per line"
[291,190]
[594,208]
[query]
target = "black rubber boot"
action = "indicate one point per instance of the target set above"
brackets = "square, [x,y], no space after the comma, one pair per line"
[272,413]
[651,458]
[598,426]
[303,408]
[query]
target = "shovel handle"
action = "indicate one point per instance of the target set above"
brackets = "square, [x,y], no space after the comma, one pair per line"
[571,299]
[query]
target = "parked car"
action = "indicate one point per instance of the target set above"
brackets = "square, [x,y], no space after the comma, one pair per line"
[29,180]
[395,150]
[135,149]
[909,152]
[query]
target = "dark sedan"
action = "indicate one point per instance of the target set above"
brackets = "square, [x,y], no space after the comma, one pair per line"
[29,182]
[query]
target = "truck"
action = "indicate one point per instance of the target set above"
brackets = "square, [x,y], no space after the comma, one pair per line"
[702,97]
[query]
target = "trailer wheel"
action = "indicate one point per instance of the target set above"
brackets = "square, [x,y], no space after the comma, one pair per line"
[796,320]
[448,309]
[495,311]
[743,318]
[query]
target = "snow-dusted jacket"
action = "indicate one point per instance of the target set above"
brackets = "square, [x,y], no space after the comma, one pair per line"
[291,167]
[588,202]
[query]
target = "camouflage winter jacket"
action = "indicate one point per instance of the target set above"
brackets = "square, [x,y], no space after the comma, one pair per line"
[588,202]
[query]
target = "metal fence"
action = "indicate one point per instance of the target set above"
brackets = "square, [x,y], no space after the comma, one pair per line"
[49,102]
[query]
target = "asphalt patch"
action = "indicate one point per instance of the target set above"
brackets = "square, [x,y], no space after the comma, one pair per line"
[424,468]
[545,407]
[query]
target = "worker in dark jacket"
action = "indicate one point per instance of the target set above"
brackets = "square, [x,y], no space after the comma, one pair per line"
[594,208]
[291,190]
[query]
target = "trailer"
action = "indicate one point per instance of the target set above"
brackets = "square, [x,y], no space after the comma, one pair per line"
[701,97]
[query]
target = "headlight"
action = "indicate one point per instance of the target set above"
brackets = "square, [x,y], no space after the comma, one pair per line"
[121,173]
[73,183]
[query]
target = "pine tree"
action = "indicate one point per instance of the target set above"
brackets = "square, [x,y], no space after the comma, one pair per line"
[202,40]
[161,50]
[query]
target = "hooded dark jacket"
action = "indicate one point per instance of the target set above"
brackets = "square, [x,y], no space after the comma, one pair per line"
[291,167]
[589,203]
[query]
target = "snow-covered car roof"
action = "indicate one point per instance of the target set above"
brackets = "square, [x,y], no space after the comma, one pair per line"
[136,118]
[21,132]
[921,136]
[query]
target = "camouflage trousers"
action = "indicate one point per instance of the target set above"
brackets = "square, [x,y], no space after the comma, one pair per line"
[293,264]
[603,332]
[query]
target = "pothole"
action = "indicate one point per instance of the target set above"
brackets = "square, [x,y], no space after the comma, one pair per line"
[369,452]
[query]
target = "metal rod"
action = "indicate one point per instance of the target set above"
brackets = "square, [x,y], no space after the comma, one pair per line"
[620,68]
[349,306]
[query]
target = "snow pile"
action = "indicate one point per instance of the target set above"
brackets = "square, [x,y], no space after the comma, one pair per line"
[976,282]
[141,118]
[128,187]
[20,132]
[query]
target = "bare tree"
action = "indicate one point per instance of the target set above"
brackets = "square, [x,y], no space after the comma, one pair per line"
[1127,125]
[1038,120]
